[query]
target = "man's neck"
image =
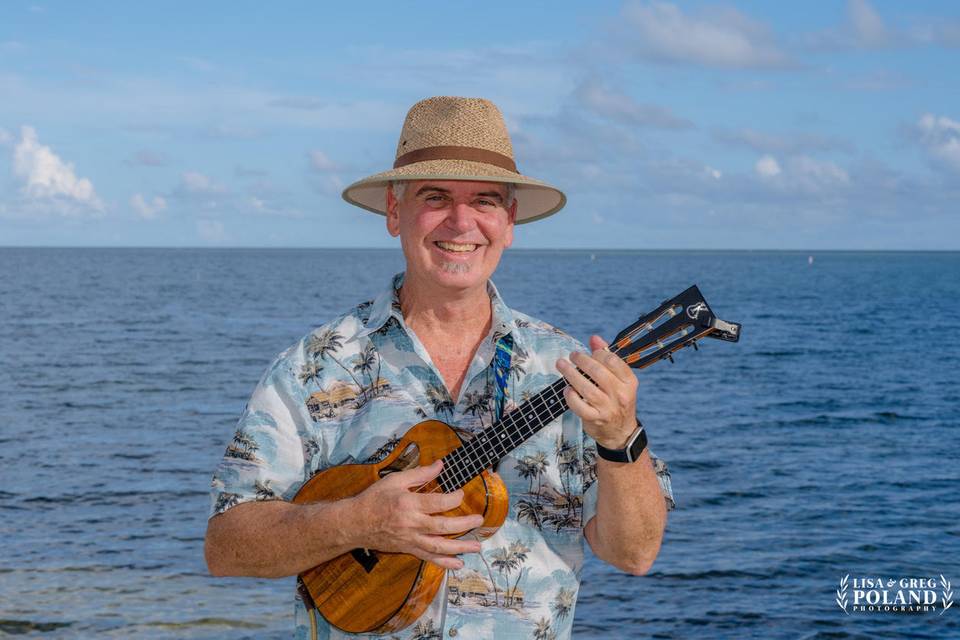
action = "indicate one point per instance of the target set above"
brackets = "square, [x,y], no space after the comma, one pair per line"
[441,311]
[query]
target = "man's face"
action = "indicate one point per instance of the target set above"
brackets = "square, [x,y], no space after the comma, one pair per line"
[452,232]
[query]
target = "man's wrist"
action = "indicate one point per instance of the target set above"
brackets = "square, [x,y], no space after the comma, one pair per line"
[621,440]
[629,451]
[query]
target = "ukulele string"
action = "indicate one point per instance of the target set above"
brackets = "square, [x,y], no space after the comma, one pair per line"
[630,336]
[538,413]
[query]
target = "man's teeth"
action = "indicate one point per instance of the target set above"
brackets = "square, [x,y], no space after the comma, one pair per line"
[454,246]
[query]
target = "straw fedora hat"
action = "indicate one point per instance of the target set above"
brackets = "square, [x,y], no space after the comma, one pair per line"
[446,138]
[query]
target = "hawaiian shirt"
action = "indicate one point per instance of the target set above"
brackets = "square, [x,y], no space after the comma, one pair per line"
[351,388]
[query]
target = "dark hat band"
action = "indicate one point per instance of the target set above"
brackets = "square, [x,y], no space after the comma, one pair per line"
[472,154]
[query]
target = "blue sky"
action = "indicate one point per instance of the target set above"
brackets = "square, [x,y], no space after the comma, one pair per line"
[744,125]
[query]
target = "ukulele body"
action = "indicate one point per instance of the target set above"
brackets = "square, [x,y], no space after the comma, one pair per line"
[375,591]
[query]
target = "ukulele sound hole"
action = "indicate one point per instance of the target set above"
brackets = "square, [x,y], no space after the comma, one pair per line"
[409,458]
[367,559]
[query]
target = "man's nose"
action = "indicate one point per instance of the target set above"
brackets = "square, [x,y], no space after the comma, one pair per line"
[462,217]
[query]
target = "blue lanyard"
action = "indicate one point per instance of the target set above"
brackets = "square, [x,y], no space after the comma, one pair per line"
[501,371]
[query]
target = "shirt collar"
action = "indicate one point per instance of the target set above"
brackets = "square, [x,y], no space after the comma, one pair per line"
[387,305]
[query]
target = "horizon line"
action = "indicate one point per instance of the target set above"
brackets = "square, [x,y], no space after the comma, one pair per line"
[511,249]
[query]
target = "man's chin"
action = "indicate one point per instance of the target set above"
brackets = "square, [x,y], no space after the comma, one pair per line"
[455,268]
[458,275]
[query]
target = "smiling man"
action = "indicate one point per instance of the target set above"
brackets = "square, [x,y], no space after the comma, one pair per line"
[440,343]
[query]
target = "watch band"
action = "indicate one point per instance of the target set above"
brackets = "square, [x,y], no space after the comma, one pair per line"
[635,446]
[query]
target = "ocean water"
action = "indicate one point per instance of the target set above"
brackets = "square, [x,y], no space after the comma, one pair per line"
[824,444]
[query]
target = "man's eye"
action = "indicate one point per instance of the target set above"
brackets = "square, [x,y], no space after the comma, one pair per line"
[486,203]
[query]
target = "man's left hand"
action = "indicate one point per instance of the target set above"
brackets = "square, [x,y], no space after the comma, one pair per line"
[608,405]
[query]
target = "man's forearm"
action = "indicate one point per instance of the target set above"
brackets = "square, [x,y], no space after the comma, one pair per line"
[275,539]
[631,515]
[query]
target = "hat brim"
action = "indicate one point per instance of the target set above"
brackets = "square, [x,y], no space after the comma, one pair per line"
[535,199]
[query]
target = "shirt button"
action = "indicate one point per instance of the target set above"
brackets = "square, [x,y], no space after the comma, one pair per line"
[452,633]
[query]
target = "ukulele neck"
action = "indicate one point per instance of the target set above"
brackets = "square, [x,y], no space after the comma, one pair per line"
[483,451]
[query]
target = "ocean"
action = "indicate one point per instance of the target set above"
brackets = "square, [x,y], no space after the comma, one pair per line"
[823,445]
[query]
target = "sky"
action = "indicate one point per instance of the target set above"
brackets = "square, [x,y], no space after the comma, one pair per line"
[733,125]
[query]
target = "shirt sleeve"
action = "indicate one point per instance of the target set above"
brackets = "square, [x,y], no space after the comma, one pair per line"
[588,461]
[663,477]
[589,466]
[265,459]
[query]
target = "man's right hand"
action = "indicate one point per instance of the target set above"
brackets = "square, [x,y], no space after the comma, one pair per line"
[393,517]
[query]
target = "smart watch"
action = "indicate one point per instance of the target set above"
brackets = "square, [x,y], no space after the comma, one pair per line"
[635,446]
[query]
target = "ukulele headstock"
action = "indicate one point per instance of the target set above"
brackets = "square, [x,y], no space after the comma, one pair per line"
[677,323]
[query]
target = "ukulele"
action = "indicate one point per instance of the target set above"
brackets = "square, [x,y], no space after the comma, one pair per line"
[373,591]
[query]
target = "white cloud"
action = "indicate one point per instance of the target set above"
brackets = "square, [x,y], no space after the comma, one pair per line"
[802,174]
[5,137]
[48,180]
[817,172]
[320,161]
[718,38]
[147,158]
[265,206]
[940,136]
[768,143]
[867,24]
[768,167]
[621,107]
[147,210]
[196,183]
[865,28]
[329,185]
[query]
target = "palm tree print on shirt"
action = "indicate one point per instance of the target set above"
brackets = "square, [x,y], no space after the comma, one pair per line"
[310,371]
[471,588]
[242,446]
[561,509]
[440,400]
[364,366]
[543,631]
[563,603]
[478,403]
[517,359]
[326,344]
[425,630]
[384,450]
[225,501]
[264,492]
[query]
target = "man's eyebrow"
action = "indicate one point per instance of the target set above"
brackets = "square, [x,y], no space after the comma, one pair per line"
[492,194]
[429,187]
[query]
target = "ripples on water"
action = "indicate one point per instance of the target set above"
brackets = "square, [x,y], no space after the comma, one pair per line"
[823,444]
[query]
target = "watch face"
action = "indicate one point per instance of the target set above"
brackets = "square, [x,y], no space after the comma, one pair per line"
[638,445]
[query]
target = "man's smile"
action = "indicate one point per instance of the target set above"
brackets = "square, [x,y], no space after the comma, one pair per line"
[455,247]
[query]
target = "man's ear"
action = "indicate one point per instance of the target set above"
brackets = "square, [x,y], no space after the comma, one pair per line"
[393,213]
[511,221]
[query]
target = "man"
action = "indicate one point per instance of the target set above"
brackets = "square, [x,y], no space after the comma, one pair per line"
[424,349]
